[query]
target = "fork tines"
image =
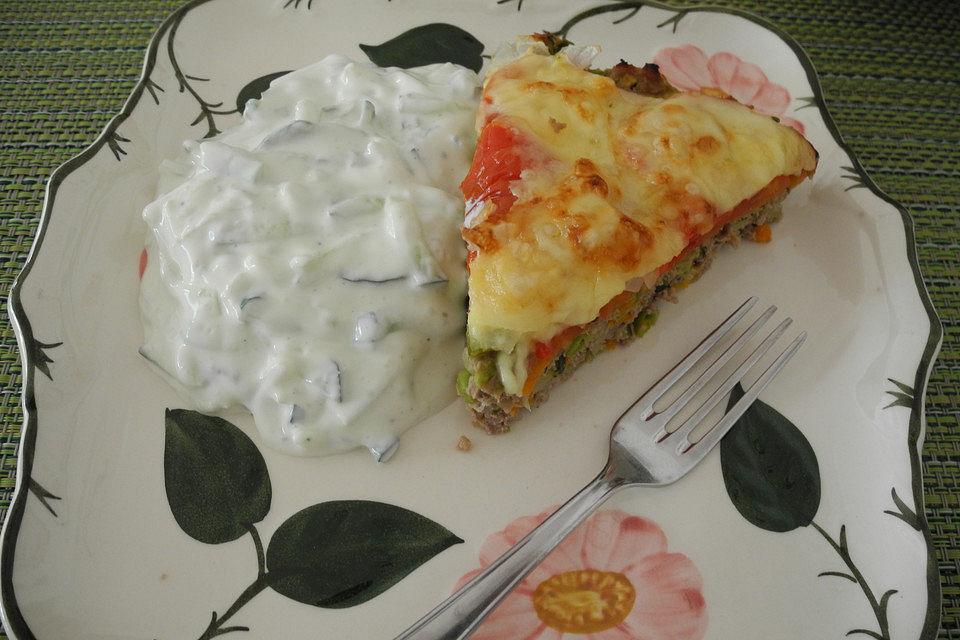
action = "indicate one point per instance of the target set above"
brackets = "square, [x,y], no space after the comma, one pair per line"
[661,418]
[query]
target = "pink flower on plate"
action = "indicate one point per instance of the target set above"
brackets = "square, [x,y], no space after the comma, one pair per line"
[688,68]
[611,579]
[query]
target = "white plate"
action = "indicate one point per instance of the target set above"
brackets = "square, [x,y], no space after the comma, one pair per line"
[91,548]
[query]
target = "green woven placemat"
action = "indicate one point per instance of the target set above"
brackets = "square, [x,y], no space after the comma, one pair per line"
[891,77]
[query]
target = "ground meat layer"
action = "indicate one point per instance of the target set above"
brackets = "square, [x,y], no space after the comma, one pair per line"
[494,410]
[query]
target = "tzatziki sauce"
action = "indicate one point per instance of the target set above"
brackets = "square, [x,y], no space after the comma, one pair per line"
[306,264]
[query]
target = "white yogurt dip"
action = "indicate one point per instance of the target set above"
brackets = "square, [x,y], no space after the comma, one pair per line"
[307,265]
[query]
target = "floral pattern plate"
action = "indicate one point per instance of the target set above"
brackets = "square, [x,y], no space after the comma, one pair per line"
[138,518]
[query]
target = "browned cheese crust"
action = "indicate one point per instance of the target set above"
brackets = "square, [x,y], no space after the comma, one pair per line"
[494,411]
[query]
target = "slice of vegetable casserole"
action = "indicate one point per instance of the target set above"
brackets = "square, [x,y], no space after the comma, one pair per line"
[591,197]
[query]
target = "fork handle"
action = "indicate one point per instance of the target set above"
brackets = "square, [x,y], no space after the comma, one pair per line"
[459,615]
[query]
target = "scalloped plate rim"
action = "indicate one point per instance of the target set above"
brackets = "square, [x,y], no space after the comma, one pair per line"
[12,619]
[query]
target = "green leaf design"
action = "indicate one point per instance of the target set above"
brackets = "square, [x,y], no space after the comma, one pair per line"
[620,5]
[114,144]
[342,553]
[769,469]
[855,575]
[42,495]
[901,398]
[185,83]
[153,87]
[837,574]
[903,512]
[675,20]
[851,174]
[255,88]
[216,480]
[428,44]
[37,355]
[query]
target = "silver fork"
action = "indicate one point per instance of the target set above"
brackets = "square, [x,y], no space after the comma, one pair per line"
[637,457]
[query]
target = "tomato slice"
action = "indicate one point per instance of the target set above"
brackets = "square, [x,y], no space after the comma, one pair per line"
[498,161]
[774,188]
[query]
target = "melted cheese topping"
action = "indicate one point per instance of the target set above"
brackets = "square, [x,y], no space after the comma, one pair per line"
[614,186]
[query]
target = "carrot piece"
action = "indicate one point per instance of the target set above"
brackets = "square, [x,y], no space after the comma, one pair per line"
[545,353]
[619,300]
[762,233]
[536,371]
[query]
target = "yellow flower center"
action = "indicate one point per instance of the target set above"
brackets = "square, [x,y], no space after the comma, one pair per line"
[584,601]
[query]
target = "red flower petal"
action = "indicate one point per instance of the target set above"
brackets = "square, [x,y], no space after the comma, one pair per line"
[615,540]
[688,69]
[498,543]
[685,67]
[670,604]
[740,79]
[790,122]
[771,99]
